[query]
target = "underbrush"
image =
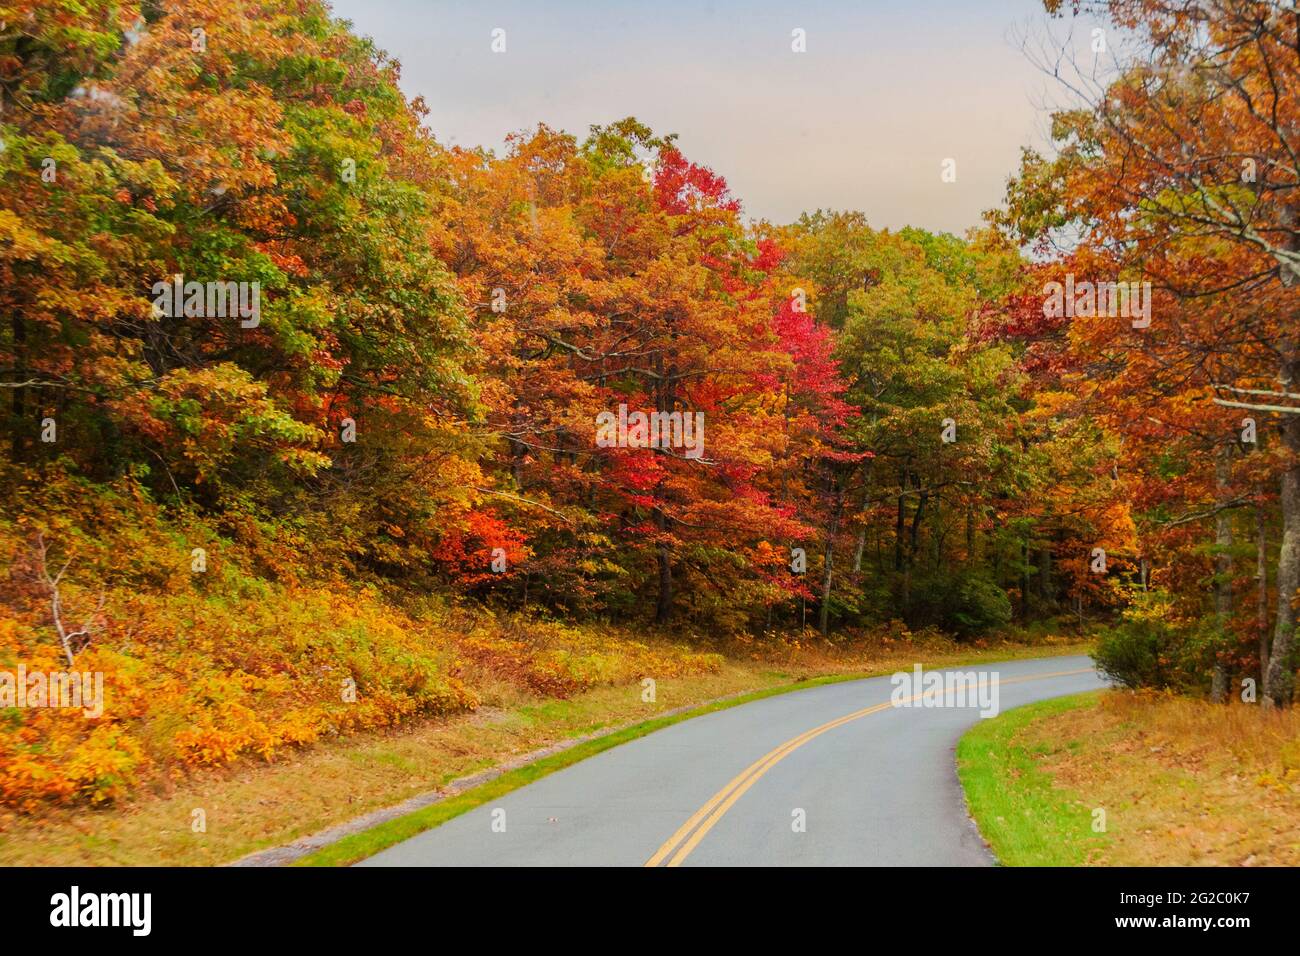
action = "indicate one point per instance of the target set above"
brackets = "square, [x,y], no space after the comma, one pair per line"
[199,681]
[206,659]
[219,643]
[1150,647]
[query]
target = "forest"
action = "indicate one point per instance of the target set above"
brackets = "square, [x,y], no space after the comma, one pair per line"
[297,397]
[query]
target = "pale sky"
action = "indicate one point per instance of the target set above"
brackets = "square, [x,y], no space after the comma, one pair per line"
[863,120]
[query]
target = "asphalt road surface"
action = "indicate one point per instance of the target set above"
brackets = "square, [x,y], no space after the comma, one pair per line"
[829,776]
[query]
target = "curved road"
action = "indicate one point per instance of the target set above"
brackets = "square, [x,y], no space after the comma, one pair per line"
[872,784]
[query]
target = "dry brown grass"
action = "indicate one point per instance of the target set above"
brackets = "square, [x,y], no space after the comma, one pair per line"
[255,805]
[1183,782]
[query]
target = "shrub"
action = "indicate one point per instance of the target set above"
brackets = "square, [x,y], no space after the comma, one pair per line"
[964,603]
[980,606]
[201,670]
[1147,649]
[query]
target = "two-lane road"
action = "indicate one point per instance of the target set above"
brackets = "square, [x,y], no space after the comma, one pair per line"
[827,776]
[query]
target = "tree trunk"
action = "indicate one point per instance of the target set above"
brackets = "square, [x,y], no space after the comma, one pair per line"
[1261,586]
[1024,579]
[665,399]
[16,397]
[993,540]
[1278,679]
[1222,568]
[865,510]
[828,559]
[914,533]
[664,607]
[900,525]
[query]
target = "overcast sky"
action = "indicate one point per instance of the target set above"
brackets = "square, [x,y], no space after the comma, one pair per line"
[863,120]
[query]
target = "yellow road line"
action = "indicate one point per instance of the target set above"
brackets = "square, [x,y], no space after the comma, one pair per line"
[704,819]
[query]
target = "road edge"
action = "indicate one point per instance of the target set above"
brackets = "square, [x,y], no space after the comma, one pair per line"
[345,844]
[997,777]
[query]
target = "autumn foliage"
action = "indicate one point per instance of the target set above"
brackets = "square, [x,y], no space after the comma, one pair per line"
[385,491]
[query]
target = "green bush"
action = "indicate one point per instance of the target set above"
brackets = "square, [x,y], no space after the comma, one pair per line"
[965,603]
[1145,650]
[981,606]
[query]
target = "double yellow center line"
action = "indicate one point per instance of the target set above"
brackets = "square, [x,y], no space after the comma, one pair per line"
[690,833]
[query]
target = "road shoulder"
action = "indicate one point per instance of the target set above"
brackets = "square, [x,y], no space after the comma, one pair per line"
[1136,779]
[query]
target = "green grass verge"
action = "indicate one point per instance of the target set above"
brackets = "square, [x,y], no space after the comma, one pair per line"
[1026,819]
[358,846]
